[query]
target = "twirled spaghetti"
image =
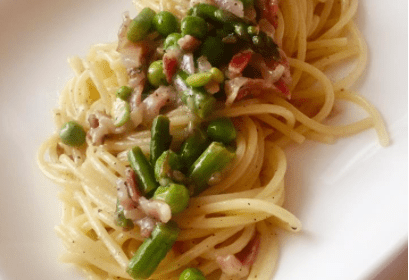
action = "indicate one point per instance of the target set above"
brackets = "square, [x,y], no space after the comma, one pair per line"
[315,35]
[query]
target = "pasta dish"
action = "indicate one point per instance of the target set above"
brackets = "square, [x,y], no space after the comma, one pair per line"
[170,142]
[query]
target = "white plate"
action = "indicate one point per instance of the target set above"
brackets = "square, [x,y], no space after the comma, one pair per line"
[351,197]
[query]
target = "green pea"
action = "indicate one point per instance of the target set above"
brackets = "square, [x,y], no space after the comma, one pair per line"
[264,45]
[252,30]
[241,30]
[124,92]
[226,17]
[175,195]
[199,79]
[172,41]
[140,25]
[205,11]
[258,42]
[217,75]
[156,76]
[222,130]
[165,23]
[72,134]
[191,273]
[213,49]
[194,26]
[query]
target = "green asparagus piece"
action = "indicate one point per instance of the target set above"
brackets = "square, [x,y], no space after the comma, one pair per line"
[153,250]
[197,99]
[222,130]
[199,79]
[160,137]
[165,165]
[212,161]
[144,171]
[140,26]
[204,102]
[193,147]
[121,112]
[217,75]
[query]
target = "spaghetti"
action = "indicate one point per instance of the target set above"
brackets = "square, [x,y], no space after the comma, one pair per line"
[315,35]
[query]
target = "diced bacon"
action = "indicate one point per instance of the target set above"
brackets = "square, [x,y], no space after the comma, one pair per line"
[127,204]
[238,63]
[164,95]
[271,71]
[157,209]
[132,184]
[188,63]
[248,255]
[269,10]
[267,27]
[203,64]
[232,87]
[146,226]
[287,73]
[250,13]
[180,85]
[105,126]
[123,196]
[188,43]
[239,265]
[132,54]
[212,87]
[240,87]
[234,6]
[253,87]
[137,77]
[93,121]
[170,63]
[232,266]
[134,214]
[283,88]
[195,2]
[276,73]
[272,75]
[126,21]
